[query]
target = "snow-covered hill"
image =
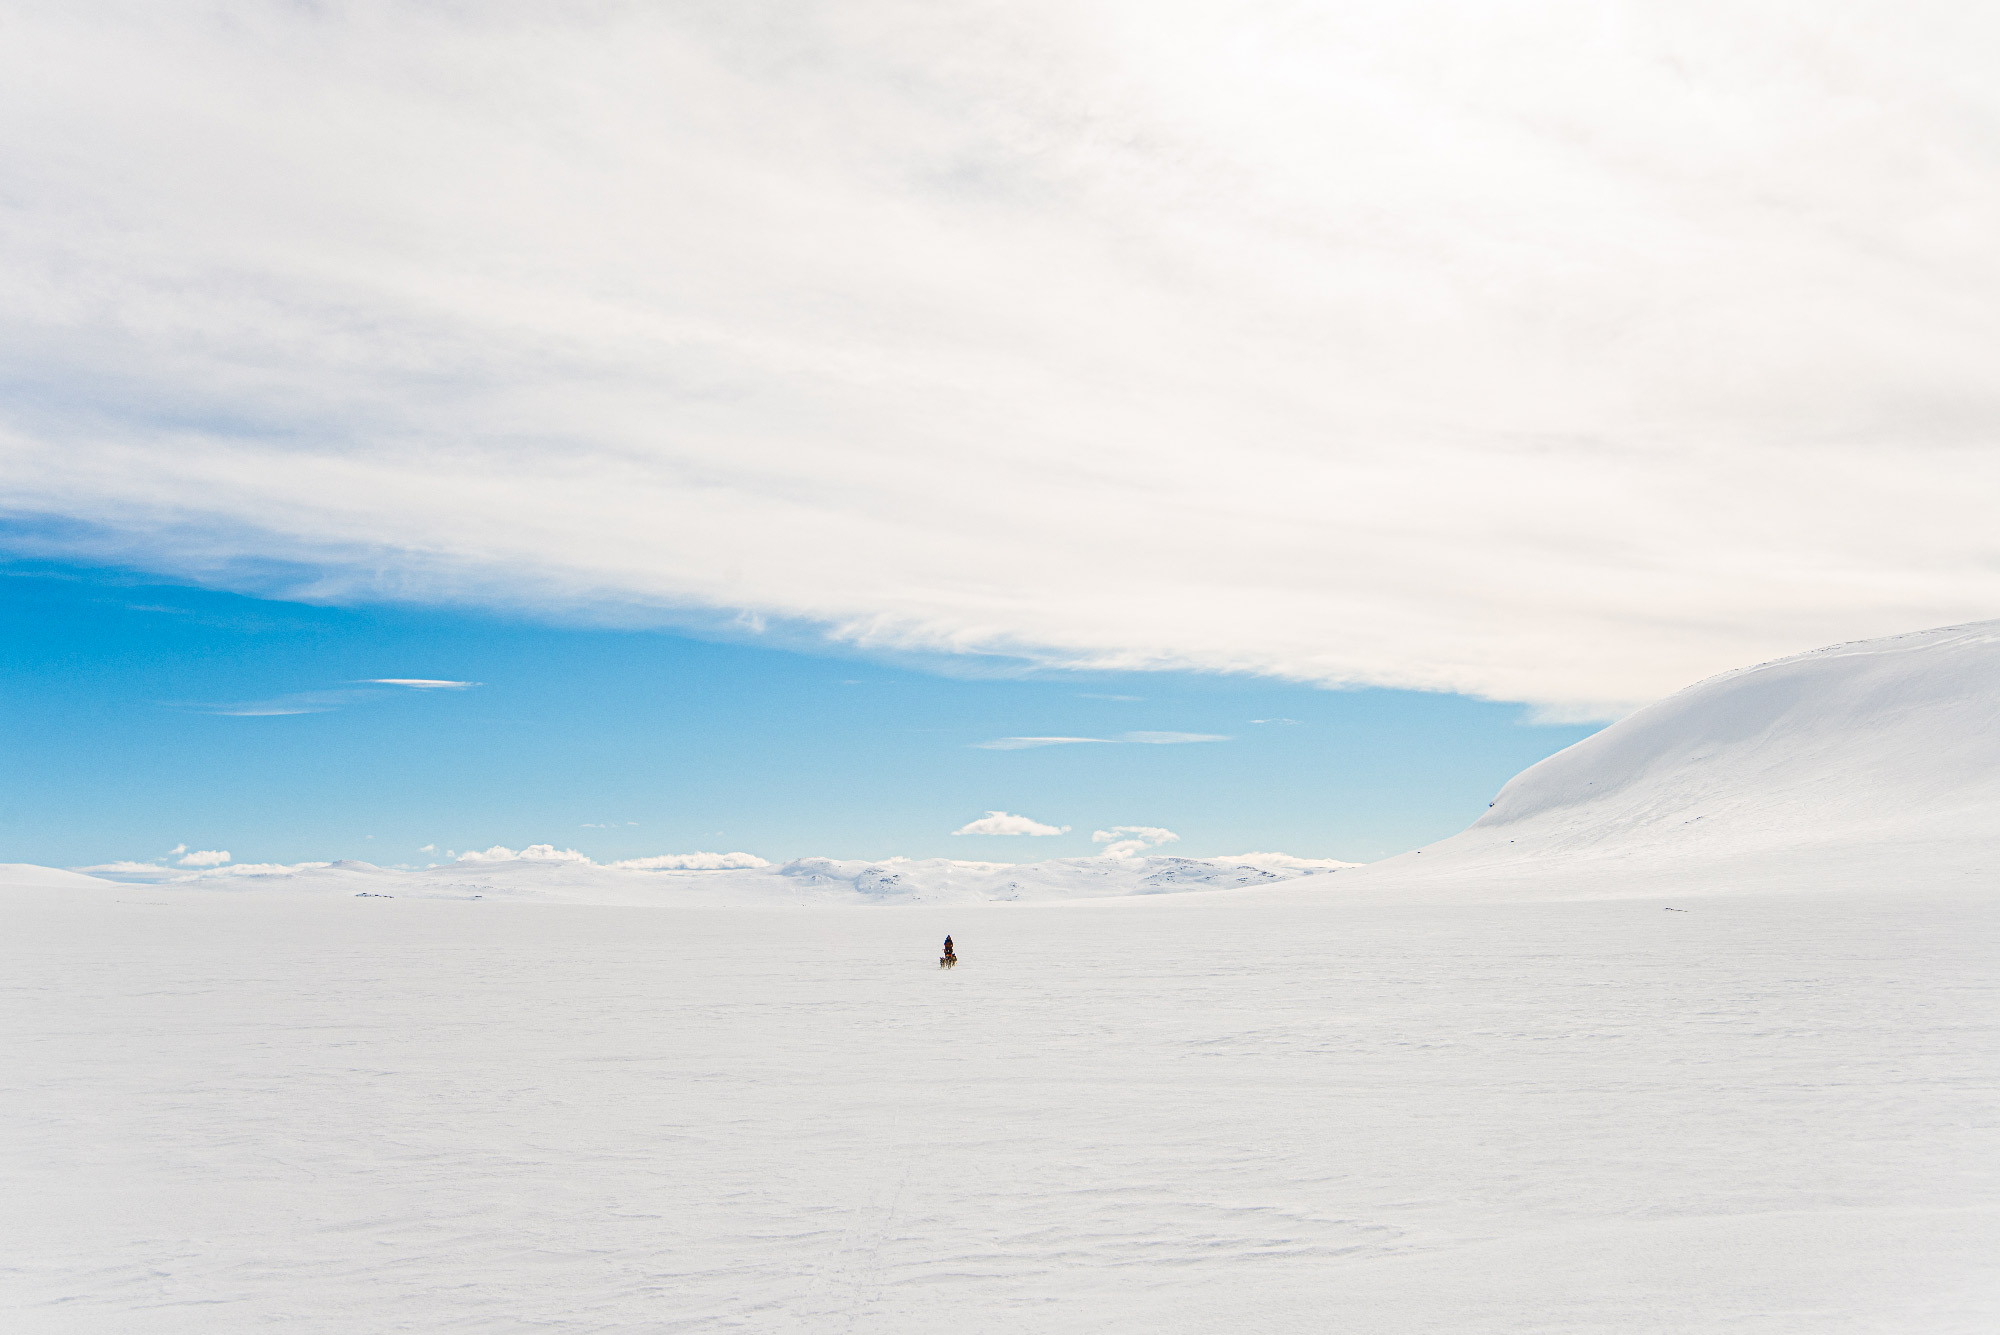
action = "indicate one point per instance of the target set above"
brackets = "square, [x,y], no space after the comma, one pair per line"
[25,875]
[1851,764]
[561,875]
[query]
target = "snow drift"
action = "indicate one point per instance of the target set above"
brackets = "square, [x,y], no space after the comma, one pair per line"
[1849,764]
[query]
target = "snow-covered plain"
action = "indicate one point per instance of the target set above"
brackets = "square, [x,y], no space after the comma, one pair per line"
[1621,1074]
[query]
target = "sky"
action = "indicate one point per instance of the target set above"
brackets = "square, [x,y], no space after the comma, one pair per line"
[1544,357]
[156,723]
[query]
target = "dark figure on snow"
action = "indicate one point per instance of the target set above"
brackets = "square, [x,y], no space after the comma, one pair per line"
[950,960]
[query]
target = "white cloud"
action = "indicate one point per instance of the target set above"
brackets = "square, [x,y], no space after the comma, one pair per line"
[1129,738]
[1124,841]
[177,850]
[298,702]
[532,853]
[664,862]
[128,871]
[693,862]
[212,857]
[999,822]
[321,702]
[1150,833]
[1446,345]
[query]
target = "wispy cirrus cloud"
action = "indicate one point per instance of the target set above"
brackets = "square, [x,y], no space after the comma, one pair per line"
[297,702]
[324,701]
[1029,743]
[1122,739]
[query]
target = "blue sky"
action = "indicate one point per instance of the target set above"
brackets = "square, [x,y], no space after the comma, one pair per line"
[142,715]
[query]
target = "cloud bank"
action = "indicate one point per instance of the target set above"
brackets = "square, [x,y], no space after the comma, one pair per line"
[663,862]
[693,862]
[1497,349]
[999,822]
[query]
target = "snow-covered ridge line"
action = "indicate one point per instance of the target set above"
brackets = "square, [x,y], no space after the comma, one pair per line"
[1860,763]
[541,872]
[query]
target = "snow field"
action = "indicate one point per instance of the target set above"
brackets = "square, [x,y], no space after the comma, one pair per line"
[1271,1110]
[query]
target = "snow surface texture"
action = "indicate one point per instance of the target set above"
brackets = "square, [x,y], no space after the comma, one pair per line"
[1596,1065]
[1266,1110]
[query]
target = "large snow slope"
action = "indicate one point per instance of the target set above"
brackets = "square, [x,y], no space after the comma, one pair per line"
[1861,764]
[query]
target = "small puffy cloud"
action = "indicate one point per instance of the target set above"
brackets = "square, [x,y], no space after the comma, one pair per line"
[428,848]
[1170,738]
[1024,743]
[532,853]
[1274,720]
[424,683]
[999,822]
[693,862]
[1152,834]
[1126,841]
[208,857]
[177,850]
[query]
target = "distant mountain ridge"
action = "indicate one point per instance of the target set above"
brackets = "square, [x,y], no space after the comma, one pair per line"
[808,881]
